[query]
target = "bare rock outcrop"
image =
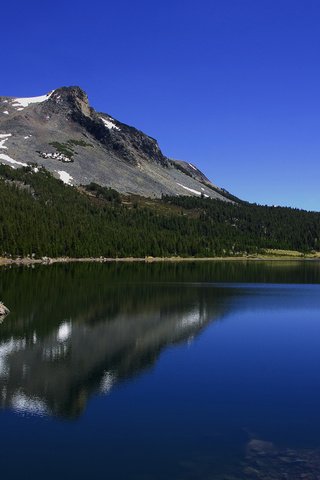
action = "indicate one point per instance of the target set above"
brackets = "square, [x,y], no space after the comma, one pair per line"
[3,310]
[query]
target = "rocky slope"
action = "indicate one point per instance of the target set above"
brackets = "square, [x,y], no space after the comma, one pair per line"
[63,133]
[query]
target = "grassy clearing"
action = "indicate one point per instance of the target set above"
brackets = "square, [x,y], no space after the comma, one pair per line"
[290,253]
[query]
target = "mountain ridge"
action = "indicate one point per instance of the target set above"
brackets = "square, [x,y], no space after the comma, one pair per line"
[63,133]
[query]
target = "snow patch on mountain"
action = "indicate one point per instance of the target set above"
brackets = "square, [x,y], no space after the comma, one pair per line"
[196,192]
[65,177]
[25,102]
[109,124]
[3,138]
[192,166]
[10,160]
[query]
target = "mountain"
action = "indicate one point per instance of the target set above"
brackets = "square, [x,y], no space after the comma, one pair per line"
[40,216]
[63,133]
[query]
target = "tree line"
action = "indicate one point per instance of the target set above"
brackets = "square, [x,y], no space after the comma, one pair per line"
[41,216]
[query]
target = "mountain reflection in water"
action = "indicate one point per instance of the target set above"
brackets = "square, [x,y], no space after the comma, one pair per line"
[76,330]
[72,333]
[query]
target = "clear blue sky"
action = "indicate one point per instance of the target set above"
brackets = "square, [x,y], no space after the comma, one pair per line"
[231,85]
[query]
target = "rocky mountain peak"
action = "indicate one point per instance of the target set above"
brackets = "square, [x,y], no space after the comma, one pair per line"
[62,132]
[68,98]
[70,94]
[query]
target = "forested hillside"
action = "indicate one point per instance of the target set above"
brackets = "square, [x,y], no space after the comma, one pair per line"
[40,215]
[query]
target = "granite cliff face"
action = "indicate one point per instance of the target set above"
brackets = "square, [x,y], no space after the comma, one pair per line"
[63,133]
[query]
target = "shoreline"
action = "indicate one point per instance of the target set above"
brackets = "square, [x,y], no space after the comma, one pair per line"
[27,261]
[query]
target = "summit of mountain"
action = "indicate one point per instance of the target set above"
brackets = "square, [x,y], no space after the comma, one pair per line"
[63,133]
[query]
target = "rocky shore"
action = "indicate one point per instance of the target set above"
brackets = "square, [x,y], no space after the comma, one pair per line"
[149,259]
[3,310]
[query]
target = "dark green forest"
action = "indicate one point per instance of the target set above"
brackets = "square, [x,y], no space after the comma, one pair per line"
[41,216]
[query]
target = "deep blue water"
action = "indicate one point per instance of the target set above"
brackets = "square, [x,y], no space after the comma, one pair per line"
[157,372]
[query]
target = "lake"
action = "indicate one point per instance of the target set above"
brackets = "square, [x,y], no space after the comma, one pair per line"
[161,371]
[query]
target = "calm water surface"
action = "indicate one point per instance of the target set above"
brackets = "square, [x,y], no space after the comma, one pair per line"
[186,371]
